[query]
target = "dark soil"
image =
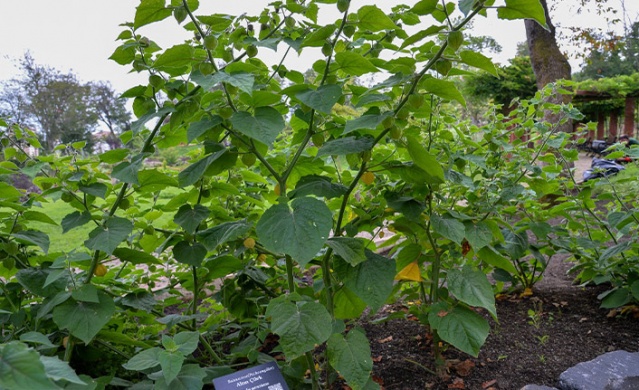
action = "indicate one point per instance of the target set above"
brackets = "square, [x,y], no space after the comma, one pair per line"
[566,328]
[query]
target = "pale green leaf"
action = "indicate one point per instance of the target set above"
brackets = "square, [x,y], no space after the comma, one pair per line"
[171,363]
[523,9]
[478,60]
[300,325]
[351,357]
[473,288]
[106,238]
[460,327]
[323,99]
[189,218]
[351,249]
[449,228]
[299,229]
[372,280]
[222,233]
[21,368]
[425,161]
[353,63]
[347,145]
[59,370]
[150,11]
[265,125]
[444,89]
[374,19]
[84,319]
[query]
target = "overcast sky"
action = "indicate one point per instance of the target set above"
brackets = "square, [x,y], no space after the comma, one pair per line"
[79,35]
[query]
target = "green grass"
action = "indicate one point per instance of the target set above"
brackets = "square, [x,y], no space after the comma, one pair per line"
[73,239]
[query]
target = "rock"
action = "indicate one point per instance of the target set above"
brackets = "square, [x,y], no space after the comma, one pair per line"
[618,370]
[537,387]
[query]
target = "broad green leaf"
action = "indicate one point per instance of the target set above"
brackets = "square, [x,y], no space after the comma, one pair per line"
[222,266]
[187,342]
[200,127]
[243,81]
[135,256]
[74,220]
[374,19]
[473,288]
[96,189]
[319,186]
[449,228]
[489,256]
[409,206]
[21,368]
[106,238]
[432,30]
[352,250]
[479,61]
[347,304]
[152,180]
[127,172]
[478,234]
[59,370]
[523,9]
[189,218]
[195,171]
[84,319]
[425,7]
[189,254]
[190,377]
[171,363]
[138,125]
[175,59]
[150,11]
[124,54]
[34,280]
[444,89]
[372,280]
[364,122]
[425,161]
[347,145]
[460,327]
[140,300]
[86,293]
[9,192]
[222,233]
[323,99]
[354,64]
[144,360]
[36,216]
[217,22]
[616,298]
[36,338]
[318,37]
[351,357]
[114,156]
[33,237]
[300,325]
[299,229]
[634,289]
[264,126]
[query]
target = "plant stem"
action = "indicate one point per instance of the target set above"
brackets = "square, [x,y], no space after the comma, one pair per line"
[289,274]
[311,367]
[68,352]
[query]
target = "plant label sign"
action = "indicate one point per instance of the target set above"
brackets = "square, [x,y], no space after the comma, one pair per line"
[263,377]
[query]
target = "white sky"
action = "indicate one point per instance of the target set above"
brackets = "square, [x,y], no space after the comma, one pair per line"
[79,35]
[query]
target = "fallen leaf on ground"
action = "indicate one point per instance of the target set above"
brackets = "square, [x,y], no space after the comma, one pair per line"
[458,383]
[464,368]
[385,340]
[377,359]
[488,384]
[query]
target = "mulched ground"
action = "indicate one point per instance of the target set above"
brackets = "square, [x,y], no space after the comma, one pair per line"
[568,327]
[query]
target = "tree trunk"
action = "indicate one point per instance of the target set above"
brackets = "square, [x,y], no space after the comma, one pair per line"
[548,62]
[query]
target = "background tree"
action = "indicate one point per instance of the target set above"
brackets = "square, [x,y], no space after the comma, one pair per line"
[110,110]
[58,106]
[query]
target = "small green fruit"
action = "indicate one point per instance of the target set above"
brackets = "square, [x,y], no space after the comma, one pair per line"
[226,112]
[318,139]
[342,5]
[443,66]
[416,100]
[395,133]
[388,122]
[206,68]
[210,42]
[290,22]
[251,51]
[180,14]
[349,30]
[366,155]
[455,39]
[125,203]
[156,81]
[67,197]
[249,159]
[327,49]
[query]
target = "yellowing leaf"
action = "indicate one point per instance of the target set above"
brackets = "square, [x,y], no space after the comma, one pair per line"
[410,272]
